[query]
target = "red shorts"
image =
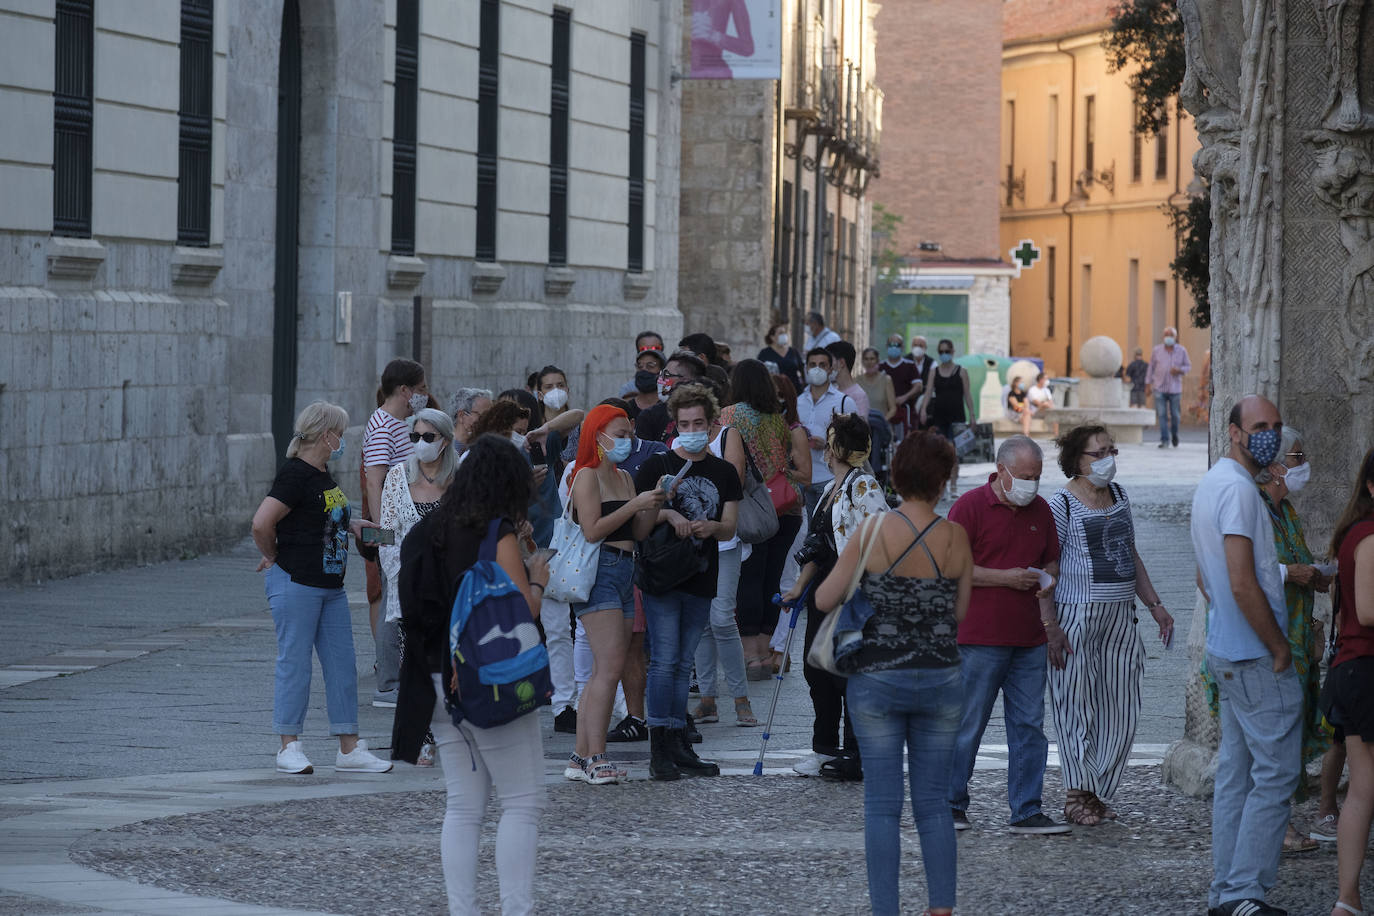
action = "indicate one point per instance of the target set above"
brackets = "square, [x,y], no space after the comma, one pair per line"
[370,567]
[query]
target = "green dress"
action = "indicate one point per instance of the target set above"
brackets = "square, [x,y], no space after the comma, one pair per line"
[1291,546]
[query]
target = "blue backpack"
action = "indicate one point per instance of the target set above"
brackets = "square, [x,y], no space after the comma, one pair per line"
[495,650]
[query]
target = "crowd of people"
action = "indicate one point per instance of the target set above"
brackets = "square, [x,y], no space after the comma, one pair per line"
[704,487]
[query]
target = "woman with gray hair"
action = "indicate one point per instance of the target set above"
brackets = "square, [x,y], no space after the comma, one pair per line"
[302,529]
[412,491]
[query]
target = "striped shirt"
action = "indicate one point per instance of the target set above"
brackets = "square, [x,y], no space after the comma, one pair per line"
[1096,549]
[386,441]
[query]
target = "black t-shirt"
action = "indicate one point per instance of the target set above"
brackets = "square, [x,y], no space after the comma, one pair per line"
[312,540]
[702,494]
[654,424]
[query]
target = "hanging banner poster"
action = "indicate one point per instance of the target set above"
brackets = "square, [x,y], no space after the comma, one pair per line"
[736,39]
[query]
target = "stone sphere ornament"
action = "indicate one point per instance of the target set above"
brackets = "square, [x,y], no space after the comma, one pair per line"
[1100,356]
[1023,369]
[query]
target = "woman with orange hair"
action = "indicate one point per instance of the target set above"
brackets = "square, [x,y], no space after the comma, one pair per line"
[604,504]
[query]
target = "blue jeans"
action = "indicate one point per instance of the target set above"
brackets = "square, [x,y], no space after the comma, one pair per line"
[1258,766]
[916,709]
[1166,407]
[306,616]
[613,588]
[1019,673]
[720,641]
[675,622]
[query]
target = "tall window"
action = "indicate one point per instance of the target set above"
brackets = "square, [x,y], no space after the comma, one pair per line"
[488,81]
[1132,303]
[1009,149]
[638,87]
[1137,144]
[1085,303]
[1162,148]
[788,235]
[558,137]
[405,126]
[72,91]
[1052,118]
[1050,290]
[197,75]
[1089,130]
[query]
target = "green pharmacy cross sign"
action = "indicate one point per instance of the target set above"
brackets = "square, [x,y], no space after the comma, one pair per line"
[1024,255]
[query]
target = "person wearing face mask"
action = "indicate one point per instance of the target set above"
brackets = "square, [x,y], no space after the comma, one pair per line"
[779,351]
[1168,365]
[950,400]
[604,505]
[552,390]
[906,385]
[702,505]
[643,393]
[301,529]
[412,491]
[817,406]
[645,342]
[386,443]
[655,424]
[817,333]
[1096,694]
[1260,697]
[1288,474]
[1011,634]
[842,361]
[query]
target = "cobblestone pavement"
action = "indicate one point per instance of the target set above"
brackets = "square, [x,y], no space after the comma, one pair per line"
[135,746]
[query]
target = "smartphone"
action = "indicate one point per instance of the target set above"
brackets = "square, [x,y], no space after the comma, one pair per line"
[537,453]
[378,536]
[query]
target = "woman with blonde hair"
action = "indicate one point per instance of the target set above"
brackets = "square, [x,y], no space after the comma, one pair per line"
[302,529]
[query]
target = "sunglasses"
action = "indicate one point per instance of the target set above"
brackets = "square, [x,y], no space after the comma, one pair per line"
[428,437]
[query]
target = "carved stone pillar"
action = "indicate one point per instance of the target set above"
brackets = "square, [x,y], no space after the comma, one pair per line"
[1288,146]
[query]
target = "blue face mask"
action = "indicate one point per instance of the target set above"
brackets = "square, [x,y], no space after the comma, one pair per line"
[694,442]
[618,452]
[338,452]
[894,352]
[1263,446]
[946,357]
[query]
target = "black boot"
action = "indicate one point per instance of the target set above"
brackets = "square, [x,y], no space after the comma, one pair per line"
[693,736]
[661,765]
[686,759]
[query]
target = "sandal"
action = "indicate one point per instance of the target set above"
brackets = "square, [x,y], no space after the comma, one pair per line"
[758,669]
[1100,807]
[1295,842]
[779,664]
[1345,907]
[706,712]
[744,714]
[576,770]
[1079,810]
[601,771]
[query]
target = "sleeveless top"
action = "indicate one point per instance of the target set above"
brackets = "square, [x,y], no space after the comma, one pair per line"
[913,623]
[426,508]
[947,401]
[626,531]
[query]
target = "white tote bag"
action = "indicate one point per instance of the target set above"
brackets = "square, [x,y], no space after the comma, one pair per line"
[572,570]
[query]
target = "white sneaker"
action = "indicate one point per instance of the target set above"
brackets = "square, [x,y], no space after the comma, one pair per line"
[811,766]
[361,760]
[291,759]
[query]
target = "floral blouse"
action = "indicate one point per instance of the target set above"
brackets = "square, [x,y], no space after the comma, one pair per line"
[399,514]
[860,497]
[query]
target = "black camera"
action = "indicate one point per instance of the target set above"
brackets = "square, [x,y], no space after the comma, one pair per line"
[815,549]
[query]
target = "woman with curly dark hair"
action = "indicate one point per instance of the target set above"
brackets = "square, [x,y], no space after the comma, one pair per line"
[1096,693]
[492,483]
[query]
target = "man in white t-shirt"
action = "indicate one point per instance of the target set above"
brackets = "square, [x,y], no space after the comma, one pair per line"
[1259,761]
[817,333]
[1040,399]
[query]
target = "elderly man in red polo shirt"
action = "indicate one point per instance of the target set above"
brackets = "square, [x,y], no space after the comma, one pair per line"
[1010,632]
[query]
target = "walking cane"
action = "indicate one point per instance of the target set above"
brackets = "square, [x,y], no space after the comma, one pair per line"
[782,668]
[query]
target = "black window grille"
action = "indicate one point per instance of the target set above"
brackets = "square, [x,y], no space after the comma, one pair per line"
[488,82]
[1162,147]
[787,234]
[196,118]
[637,92]
[72,92]
[558,137]
[1089,132]
[405,127]
[1051,288]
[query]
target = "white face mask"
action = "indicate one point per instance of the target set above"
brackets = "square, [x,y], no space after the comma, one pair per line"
[1297,477]
[783,340]
[918,352]
[555,398]
[1103,470]
[1022,492]
[418,402]
[517,440]
[1169,341]
[834,374]
[429,451]
[817,376]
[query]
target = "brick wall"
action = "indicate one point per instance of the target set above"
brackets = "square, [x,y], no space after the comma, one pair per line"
[939,63]
[1025,19]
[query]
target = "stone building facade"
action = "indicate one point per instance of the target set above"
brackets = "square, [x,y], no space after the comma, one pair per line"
[775,208]
[178,274]
[939,65]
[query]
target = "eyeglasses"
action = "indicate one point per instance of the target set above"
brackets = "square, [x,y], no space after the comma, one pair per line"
[1102,453]
[428,437]
[667,376]
[1301,456]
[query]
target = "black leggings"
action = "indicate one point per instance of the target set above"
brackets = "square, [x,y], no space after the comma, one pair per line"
[759,577]
[827,693]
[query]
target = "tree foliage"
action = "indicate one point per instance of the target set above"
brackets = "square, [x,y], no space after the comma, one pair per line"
[1193,225]
[1148,34]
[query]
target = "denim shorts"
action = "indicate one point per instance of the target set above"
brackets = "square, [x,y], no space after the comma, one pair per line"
[614,585]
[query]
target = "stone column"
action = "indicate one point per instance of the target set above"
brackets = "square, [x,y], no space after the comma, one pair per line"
[1288,147]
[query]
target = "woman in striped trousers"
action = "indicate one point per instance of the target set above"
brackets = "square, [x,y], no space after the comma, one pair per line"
[1096,694]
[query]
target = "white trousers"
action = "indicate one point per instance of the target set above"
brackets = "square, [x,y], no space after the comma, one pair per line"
[559,642]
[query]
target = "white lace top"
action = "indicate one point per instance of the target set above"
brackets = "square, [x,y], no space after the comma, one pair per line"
[399,515]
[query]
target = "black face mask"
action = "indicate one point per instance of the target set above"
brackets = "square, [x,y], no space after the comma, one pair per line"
[646,380]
